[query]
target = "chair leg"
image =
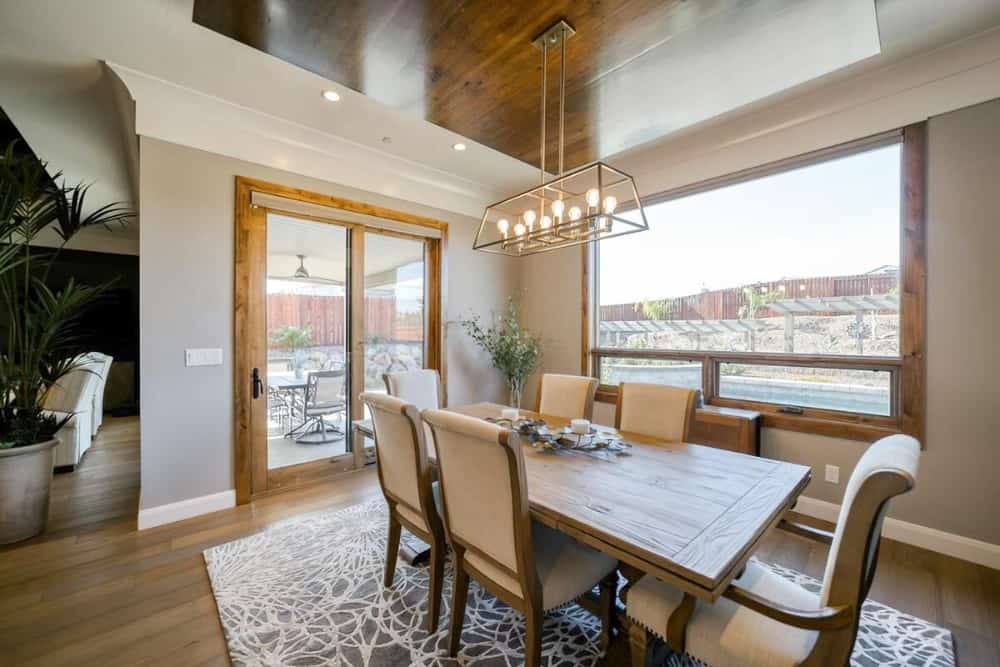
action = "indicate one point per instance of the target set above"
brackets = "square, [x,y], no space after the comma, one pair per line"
[534,619]
[436,574]
[637,644]
[609,588]
[460,593]
[392,549]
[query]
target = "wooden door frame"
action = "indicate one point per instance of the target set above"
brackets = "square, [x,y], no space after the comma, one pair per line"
[250,313]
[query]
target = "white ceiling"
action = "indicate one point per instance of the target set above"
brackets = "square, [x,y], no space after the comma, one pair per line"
[56,91]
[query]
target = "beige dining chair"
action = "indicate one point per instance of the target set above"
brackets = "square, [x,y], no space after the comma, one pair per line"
[404,474]
[422,388]
[765,620]
[655,410]
[484,499]
[567,396]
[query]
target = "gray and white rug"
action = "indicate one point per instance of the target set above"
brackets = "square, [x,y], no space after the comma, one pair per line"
[309,592]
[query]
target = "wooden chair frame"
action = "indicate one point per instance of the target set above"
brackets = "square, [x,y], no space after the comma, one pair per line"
[529,602]
[428,510]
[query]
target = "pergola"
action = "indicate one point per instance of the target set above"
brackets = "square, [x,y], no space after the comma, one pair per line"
[859,305]
[789,308]
[692,328]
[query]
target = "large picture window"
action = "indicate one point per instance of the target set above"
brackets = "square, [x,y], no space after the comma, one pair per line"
[777,289]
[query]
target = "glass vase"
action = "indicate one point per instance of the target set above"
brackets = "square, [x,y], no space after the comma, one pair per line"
[515,385]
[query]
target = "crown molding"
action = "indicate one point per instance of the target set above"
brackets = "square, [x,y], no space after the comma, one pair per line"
[181,115]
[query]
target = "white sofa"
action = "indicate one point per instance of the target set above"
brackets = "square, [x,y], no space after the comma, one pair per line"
[73,396]
[97,413]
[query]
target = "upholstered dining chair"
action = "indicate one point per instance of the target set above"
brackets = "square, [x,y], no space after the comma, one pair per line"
[567,396]
[422,388]
[655,410]
[764,619]
[484,502]
[404,474]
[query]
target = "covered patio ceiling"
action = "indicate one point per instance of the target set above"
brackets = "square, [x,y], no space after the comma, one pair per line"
[325,249]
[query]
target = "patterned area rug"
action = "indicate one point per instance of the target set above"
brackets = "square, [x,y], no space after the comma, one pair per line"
[308,592]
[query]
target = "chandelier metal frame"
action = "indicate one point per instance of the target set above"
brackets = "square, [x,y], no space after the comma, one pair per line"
[592,186]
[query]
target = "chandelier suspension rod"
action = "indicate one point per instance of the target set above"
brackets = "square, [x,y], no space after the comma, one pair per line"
[545,81]
[562,97]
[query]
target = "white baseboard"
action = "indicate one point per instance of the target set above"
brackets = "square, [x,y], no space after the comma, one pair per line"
[931,539]
[185,509]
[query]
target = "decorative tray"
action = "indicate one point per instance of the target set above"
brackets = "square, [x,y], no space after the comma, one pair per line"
[540,436]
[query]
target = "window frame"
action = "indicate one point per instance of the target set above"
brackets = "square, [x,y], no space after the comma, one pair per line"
[907,392]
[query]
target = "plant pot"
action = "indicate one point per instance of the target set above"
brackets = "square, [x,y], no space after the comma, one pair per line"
[25,483]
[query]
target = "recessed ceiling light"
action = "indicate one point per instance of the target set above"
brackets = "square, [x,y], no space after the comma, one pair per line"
[331,96]
[459,146]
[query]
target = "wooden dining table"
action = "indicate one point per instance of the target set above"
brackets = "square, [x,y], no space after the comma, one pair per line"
[688,514]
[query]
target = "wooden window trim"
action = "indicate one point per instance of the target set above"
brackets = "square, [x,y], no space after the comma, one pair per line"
[248,320]
[908,392]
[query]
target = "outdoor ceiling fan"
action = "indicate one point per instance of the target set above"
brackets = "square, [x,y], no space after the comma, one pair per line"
[302,275]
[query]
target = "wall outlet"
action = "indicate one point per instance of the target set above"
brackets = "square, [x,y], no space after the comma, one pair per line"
[832,474]
[211,356]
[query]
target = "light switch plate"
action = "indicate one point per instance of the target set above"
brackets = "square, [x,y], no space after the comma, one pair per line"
[209,356]
[832,474]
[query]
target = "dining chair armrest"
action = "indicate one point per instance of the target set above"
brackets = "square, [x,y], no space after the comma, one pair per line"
[808,532]
[825,618]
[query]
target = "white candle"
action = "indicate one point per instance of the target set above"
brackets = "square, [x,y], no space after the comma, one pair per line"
[509,413]
[580,426]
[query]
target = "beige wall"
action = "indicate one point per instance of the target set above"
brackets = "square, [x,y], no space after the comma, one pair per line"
[186,288]
[957,491]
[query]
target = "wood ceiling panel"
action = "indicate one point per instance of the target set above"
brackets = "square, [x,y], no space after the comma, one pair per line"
[469,65]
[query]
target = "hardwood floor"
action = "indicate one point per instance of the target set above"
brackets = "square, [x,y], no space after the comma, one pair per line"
[94,591]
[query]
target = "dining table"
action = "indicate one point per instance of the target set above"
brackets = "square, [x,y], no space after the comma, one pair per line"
[689,514]
[292,385]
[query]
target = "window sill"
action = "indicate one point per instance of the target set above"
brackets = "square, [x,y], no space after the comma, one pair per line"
[864,428]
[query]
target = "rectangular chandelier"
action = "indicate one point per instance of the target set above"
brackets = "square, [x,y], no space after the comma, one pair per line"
[579,207]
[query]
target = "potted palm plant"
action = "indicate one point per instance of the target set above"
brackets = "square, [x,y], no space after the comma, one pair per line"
[513,351]
[40,330]
[295,340]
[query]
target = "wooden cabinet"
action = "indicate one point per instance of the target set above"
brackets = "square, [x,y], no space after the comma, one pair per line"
[727,428]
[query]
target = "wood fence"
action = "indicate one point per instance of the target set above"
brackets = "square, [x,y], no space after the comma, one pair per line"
[326,316]
[727,304]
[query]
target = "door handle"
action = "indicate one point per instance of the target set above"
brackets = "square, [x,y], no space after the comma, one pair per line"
[256,384]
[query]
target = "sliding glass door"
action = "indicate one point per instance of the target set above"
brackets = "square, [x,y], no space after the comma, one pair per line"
[325,304]
[308,364]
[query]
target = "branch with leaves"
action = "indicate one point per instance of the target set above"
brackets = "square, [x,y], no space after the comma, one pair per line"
[514,351]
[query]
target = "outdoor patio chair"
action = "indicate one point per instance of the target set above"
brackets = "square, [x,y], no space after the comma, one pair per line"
[325,395]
